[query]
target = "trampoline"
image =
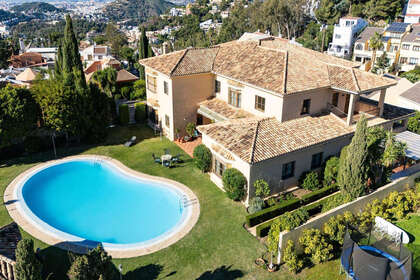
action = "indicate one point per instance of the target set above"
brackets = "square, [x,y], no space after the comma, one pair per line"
[381,260]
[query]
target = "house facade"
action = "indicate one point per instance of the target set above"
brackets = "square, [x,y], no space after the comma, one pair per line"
[267,107]
[412,11]
[345,33]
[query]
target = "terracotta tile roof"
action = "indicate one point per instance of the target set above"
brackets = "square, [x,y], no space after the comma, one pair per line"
[125,76]
[258,139]
[26,76]
[367,33]
[225,110]
[271,64]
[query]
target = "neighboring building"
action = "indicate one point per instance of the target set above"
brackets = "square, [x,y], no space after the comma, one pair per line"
[411,97]
[267,107]
[27,59]
[392,37]
[125,77]
[344,35]
[95,53]
[102,64]
[409,55]
[225,14]
[26,77]
[47,53]
[412,11]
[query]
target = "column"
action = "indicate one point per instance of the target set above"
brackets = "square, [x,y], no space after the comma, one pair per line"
[351,109]
[3,268]
[381,102]
[9,272]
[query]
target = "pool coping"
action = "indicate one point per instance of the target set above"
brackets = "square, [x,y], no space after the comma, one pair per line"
[14,208]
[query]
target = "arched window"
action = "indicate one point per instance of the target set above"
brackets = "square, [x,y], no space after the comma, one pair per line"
[359,47]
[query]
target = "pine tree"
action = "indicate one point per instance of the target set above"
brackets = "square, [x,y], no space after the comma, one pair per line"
[352,173]
[28,267]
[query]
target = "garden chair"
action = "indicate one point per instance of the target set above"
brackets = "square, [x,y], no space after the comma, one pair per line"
[167,163]
[131,142]
[176,159]
[156,159]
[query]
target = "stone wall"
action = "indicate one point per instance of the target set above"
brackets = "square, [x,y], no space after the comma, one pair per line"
[399,184]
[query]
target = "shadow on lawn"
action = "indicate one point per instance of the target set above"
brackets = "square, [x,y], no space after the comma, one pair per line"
[222,273]
[150,271]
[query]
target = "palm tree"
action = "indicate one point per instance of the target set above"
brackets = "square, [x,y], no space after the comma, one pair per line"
[375,43]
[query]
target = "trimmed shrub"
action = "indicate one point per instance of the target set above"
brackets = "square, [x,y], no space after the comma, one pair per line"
[291,220]
[413,123]
[124,115]
[255,204]
[315,195]
[316,246]
[272,212]
[126,92]
[334,201]
[234,183]
[331,170]
[261,188]
[311,181]
[202,158]
[272,201]
[140,112]
[291,258]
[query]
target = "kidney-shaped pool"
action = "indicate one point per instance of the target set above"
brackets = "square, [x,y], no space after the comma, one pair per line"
[91,200]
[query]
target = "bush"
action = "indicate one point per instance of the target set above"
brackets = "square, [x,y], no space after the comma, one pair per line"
[413,123]
[272,201]
[291,220]
[333,202]
[291,258]
[316,246]
[336,227]
[28,267]
[126,92]
[202,158]
[124,115]
[190,129]
[255,204]
[140,112]
[311,181]
[139,90]
[315,195]
[331,171]
[261,188]
[234,183]
[272,212]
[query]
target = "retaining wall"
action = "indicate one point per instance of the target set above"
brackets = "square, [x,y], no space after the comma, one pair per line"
[401,183]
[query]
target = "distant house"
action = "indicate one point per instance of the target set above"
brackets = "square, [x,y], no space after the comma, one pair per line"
[27,59]
[411,97]
[102,64]
[125,77]
[27,77]
[95,53]
[47,53]
[265,106]
[412,11]
[345,33]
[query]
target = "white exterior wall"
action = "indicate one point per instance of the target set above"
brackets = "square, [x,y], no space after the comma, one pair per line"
[412,14]
[273,102]
[409,53]
[344,35]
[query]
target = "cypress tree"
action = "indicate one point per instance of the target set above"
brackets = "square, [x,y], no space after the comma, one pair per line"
[58,62]
[72,66]
[352,173]
[28,267]
[144,51]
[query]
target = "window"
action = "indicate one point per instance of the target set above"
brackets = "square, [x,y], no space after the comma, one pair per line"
[398,124]
[219,167]
[166,120]
[403,60]
[316,160]
[165,87]
[216,86]
[359,47]
[305,106]
[405,47]
[337,36]
[416,48]
[151,83]
[235,97]
[259,103]
[413,60]
[288,170]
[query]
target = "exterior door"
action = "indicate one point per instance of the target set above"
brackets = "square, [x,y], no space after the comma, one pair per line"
[335,99]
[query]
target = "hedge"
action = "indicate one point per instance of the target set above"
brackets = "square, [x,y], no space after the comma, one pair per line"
[289,205]
[313,209]
[140,112]
[124,115]
[272,212]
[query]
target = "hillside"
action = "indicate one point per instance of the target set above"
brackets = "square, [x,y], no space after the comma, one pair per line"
[135,10]
[35,7]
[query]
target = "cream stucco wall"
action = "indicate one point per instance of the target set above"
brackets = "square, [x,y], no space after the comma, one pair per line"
[273,102]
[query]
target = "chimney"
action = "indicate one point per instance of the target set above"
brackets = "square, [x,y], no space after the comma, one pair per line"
[165,48]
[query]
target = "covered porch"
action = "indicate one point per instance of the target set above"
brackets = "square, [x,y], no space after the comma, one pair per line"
[216,110]
[350,107]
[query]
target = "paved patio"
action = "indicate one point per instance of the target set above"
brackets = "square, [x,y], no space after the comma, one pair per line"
[189,147]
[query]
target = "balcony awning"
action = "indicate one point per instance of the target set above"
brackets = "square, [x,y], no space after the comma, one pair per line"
[413,143]
[206,112]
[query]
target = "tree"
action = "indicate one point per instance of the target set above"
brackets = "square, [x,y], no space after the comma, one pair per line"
[329,11]
[202,158]
[115,38]
[18,114]
[234,183]
[285,15]
[382,63]
[394,150]
[352,173]
[96,264]
[375,43]
[144,51]
[383,9]
[316,246]
[127,53]
[331,171]
[106,80]
[28,267]
[5,53]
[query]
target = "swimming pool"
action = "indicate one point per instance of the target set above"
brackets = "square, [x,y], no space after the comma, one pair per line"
[92,200]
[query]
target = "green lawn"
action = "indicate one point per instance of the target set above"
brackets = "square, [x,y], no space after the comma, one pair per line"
[412,227]
[218,247]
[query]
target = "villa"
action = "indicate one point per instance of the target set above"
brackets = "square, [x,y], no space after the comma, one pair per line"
[265,106]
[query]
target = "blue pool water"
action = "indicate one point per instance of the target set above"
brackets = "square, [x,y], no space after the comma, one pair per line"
[97,202]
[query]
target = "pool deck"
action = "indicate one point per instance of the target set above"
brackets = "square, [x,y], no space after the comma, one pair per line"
[11,202]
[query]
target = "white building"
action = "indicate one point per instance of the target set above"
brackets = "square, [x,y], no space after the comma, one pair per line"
[95,53]
[412,11]
[46,53]
[344,36]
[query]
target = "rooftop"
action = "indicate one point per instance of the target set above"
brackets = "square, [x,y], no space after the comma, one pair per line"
[271,64]
[367,33]
[220,110]
[397,27]
[412,94]
[414,35]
